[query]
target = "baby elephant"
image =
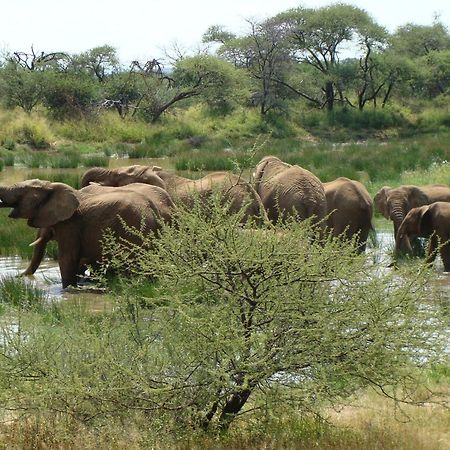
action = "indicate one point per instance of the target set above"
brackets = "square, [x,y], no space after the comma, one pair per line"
[429,221]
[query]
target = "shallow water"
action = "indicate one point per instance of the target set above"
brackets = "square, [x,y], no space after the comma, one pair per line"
[10,175]
[47,277]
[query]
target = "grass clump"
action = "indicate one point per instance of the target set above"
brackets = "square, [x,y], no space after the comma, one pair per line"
[15,237]
[95,161]
[31,130]
[19,293]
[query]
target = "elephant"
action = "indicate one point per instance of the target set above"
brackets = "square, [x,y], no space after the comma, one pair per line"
[349,210]
[77,220]
[121,176]
[234,189]
[395,203]
[431,221]
[287,190]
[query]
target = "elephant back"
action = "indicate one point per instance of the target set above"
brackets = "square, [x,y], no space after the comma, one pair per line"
[292,190]
[437,192]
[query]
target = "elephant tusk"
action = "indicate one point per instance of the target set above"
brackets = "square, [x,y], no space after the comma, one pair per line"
[36,242]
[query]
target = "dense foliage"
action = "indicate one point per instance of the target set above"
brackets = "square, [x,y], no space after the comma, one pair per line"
[236,320]
[328,57]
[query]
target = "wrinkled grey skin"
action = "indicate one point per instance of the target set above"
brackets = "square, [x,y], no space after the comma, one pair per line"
[287,190]
[121,176]
[235,192]
[430,221]
[77,220]
[395,203]
[349,209]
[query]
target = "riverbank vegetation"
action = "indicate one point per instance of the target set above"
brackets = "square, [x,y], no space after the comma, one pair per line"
[303,77]
[223,337]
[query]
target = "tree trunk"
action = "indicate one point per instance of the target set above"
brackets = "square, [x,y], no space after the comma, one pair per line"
[232,407]
[329,93]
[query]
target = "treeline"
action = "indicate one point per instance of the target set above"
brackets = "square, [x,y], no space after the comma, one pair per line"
[332,57]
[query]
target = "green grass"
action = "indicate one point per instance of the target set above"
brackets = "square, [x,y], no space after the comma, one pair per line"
[20,293]
[95,161]
[15,236]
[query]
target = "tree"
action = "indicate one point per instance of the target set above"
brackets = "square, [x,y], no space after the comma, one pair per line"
[218,83]
[262,53]
[241,315]
[318,36]
[21,87]
[100,62]
[69,94]
[419,40]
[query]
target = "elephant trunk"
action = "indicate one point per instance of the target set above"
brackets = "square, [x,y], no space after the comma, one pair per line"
[94,175]
[403,243]
[397,215]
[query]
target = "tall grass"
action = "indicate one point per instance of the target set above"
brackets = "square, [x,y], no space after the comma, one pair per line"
[20,293]
[105,127]
[30,129]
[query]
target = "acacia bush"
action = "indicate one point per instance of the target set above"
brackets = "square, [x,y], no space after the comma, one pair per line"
[215,319]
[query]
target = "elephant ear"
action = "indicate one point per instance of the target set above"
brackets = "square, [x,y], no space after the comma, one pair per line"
[60,205]
[380,201]
[417,198]
[259,172]
[426,221]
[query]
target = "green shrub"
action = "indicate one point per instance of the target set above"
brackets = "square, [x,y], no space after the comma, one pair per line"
[68,160]
[7,158]
[33,132]
[9,144]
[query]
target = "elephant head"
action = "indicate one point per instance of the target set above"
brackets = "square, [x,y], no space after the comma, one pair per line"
[43,203]
[122,176]
[395,203]
[417,223]
[380,201]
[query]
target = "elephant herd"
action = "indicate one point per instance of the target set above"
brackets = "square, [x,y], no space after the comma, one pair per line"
[143,197]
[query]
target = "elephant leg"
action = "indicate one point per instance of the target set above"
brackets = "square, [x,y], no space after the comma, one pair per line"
[69,263]
[445,255]
[433,245]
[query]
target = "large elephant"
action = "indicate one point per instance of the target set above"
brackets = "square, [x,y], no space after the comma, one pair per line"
[234,190]
[121,176]
[77,220]
[287,190]
[431,221]
[349,209]
[395,203]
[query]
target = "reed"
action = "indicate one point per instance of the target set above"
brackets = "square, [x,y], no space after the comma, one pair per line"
[21,294]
